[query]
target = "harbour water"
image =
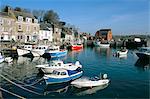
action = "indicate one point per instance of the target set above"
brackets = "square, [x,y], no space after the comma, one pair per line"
[129,76]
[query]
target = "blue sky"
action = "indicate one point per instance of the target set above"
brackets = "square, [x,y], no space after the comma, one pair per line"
[122,16]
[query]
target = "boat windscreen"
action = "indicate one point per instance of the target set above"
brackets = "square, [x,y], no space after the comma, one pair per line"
[71,72]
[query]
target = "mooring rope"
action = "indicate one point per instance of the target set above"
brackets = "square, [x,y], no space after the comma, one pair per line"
[24,84]
[12,93]
[20,86]
[34,82]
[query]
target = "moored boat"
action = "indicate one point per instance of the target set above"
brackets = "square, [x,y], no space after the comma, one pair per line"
[91,90]
[144,52]
[77,46]
[48,68]
[24,49]
[79,83]
[39,50]
[55,51]
[8,59]
[100,44]
[61,76]
[1,58]
[122,52]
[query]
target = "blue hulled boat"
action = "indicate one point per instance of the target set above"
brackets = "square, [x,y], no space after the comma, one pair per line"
[62,75]
[54,52]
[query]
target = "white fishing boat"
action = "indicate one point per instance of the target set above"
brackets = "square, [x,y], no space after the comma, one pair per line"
[104,45]
[92,90]
[143,52]
[122,52]
[62,75]
[24,49]
[100,44]
[1,58]
[48,68]
[8,59]
[86,82]
[39,50]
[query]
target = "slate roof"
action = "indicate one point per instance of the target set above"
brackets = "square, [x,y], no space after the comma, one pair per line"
[17,13]
[5,14]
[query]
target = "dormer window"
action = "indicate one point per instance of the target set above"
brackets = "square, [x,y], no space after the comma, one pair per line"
[28,20]
[1,20]
[35,21]
[20,18]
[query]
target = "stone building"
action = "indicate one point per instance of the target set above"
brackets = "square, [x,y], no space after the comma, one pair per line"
[104,34]
[23,27]
[27,27]
[46,32]
[7,27]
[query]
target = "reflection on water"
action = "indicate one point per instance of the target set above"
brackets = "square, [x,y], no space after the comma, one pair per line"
[91,90]
[56,88]
[123,56]
[94,60]
[21,68]
[103,51]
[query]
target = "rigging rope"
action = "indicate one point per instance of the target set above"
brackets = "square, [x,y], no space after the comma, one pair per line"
[20,86]
[12,93]
[24,84]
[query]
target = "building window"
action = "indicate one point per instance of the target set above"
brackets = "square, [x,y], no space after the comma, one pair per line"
[19,27]
[35,21]
[2,38]
[27,28]
[1,20]
[35,28]
[9,22]
[21,37]
[20,18]
[18,37]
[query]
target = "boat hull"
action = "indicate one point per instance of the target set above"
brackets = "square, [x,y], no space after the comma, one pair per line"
[37,53]
[51,80]
[90,83]
[99,44]
[1,60]
[56,54]
[122,53]
[104,45]
[22,52]
[47,70]
[8,59]
[143,55]
[76,47]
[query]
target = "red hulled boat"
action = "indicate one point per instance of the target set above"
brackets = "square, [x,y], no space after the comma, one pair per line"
[77,46]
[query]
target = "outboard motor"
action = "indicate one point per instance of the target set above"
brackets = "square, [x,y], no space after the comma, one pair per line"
[104,76]
[78,64]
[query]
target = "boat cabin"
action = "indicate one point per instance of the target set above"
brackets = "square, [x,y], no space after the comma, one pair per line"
[145,49]
[42,47]
[27,47]
[53,48]
[56,63]
[60,72]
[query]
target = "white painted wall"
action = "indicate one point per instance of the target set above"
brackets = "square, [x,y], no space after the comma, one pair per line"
[46,34]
